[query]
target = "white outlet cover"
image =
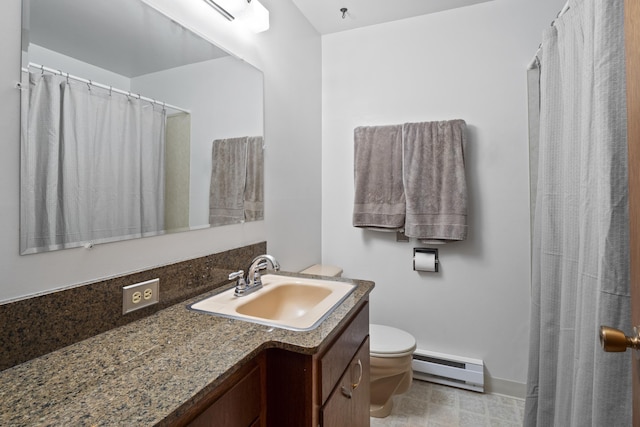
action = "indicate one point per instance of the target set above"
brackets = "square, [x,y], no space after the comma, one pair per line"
[140,295]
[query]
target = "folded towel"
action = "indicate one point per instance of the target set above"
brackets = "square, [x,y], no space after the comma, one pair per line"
[254,188]
[228,178]
[379,200]
[434,178]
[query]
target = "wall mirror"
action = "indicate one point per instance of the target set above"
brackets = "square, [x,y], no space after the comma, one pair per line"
[131,126]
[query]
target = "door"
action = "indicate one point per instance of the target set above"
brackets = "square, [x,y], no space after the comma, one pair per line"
[614,340]
[632,48]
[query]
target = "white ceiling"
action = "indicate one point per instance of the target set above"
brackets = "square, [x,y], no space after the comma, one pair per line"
[124,36]
[326,17]
[129,38]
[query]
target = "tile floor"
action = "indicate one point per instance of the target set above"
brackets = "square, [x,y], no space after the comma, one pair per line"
[427,404]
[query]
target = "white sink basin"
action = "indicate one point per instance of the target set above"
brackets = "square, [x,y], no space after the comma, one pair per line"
[293,303]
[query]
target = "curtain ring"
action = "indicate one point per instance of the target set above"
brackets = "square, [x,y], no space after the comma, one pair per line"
[110,89]
[42,70]
[67,78]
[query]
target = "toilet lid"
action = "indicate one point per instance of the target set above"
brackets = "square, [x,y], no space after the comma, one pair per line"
[386,341]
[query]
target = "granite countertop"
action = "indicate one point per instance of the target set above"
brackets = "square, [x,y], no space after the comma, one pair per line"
[142,373]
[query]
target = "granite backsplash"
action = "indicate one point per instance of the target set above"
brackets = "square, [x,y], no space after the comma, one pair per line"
[39,325]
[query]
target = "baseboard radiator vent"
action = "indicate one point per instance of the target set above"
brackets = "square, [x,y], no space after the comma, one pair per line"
[449,370]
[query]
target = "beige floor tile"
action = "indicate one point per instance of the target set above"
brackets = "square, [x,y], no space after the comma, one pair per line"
[434,405]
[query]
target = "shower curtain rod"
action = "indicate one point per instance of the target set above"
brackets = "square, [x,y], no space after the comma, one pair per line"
[535,60]
[564,10]
[109,88]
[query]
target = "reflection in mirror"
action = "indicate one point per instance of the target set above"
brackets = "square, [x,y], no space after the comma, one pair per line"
[132,126]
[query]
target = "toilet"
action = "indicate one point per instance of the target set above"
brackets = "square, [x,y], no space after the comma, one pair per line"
[391,354]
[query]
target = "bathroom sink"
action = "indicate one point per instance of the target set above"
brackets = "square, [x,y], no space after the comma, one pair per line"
[294,303]
[285,302]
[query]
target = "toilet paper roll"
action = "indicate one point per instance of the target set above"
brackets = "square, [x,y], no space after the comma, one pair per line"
[424,261]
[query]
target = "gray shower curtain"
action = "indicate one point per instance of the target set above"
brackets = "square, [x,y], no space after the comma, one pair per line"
[92,166]
[580,265]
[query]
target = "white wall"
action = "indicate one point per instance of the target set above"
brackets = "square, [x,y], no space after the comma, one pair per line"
[289,55]
[465,63]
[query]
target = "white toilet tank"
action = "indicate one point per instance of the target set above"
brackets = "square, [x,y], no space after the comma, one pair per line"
[323,270]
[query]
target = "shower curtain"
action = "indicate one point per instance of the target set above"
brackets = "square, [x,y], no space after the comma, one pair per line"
[580,261]
[92,165]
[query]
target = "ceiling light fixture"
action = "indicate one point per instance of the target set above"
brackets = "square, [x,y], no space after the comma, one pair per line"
[228,8]
[255,17]
[250,12]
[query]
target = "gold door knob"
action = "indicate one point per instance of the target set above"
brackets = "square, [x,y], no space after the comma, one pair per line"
[614,340]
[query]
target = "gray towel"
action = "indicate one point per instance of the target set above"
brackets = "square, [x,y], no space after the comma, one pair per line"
[379,200]
[254,188]
[228,178]
[434,178]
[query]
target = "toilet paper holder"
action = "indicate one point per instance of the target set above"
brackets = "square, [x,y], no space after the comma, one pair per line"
[427,251]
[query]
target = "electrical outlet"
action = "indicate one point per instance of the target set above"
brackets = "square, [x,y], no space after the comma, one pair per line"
[139,295]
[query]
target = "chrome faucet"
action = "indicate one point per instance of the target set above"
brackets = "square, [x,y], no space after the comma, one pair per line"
[252,282]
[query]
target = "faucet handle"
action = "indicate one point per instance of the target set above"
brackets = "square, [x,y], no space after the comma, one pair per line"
[261,266]
[237,275]
[240,276]
[256,279]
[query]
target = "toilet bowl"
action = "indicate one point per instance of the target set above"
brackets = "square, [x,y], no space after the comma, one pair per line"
[391,354]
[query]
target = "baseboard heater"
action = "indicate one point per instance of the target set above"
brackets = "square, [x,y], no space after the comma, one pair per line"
[449,370]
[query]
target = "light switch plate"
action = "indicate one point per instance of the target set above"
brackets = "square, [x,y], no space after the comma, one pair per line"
[139,295]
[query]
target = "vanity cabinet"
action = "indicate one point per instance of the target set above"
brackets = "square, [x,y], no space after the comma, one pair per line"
[284,388]
[329,388]
[344,375]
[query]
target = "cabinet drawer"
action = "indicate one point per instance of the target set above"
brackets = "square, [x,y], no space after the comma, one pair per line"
[336,359]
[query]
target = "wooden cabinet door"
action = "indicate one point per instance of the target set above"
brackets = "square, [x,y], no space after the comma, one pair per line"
[335,360]
[238,407]
[348,404]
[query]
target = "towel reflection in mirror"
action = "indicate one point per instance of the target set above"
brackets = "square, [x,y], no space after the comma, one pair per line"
[237,176]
